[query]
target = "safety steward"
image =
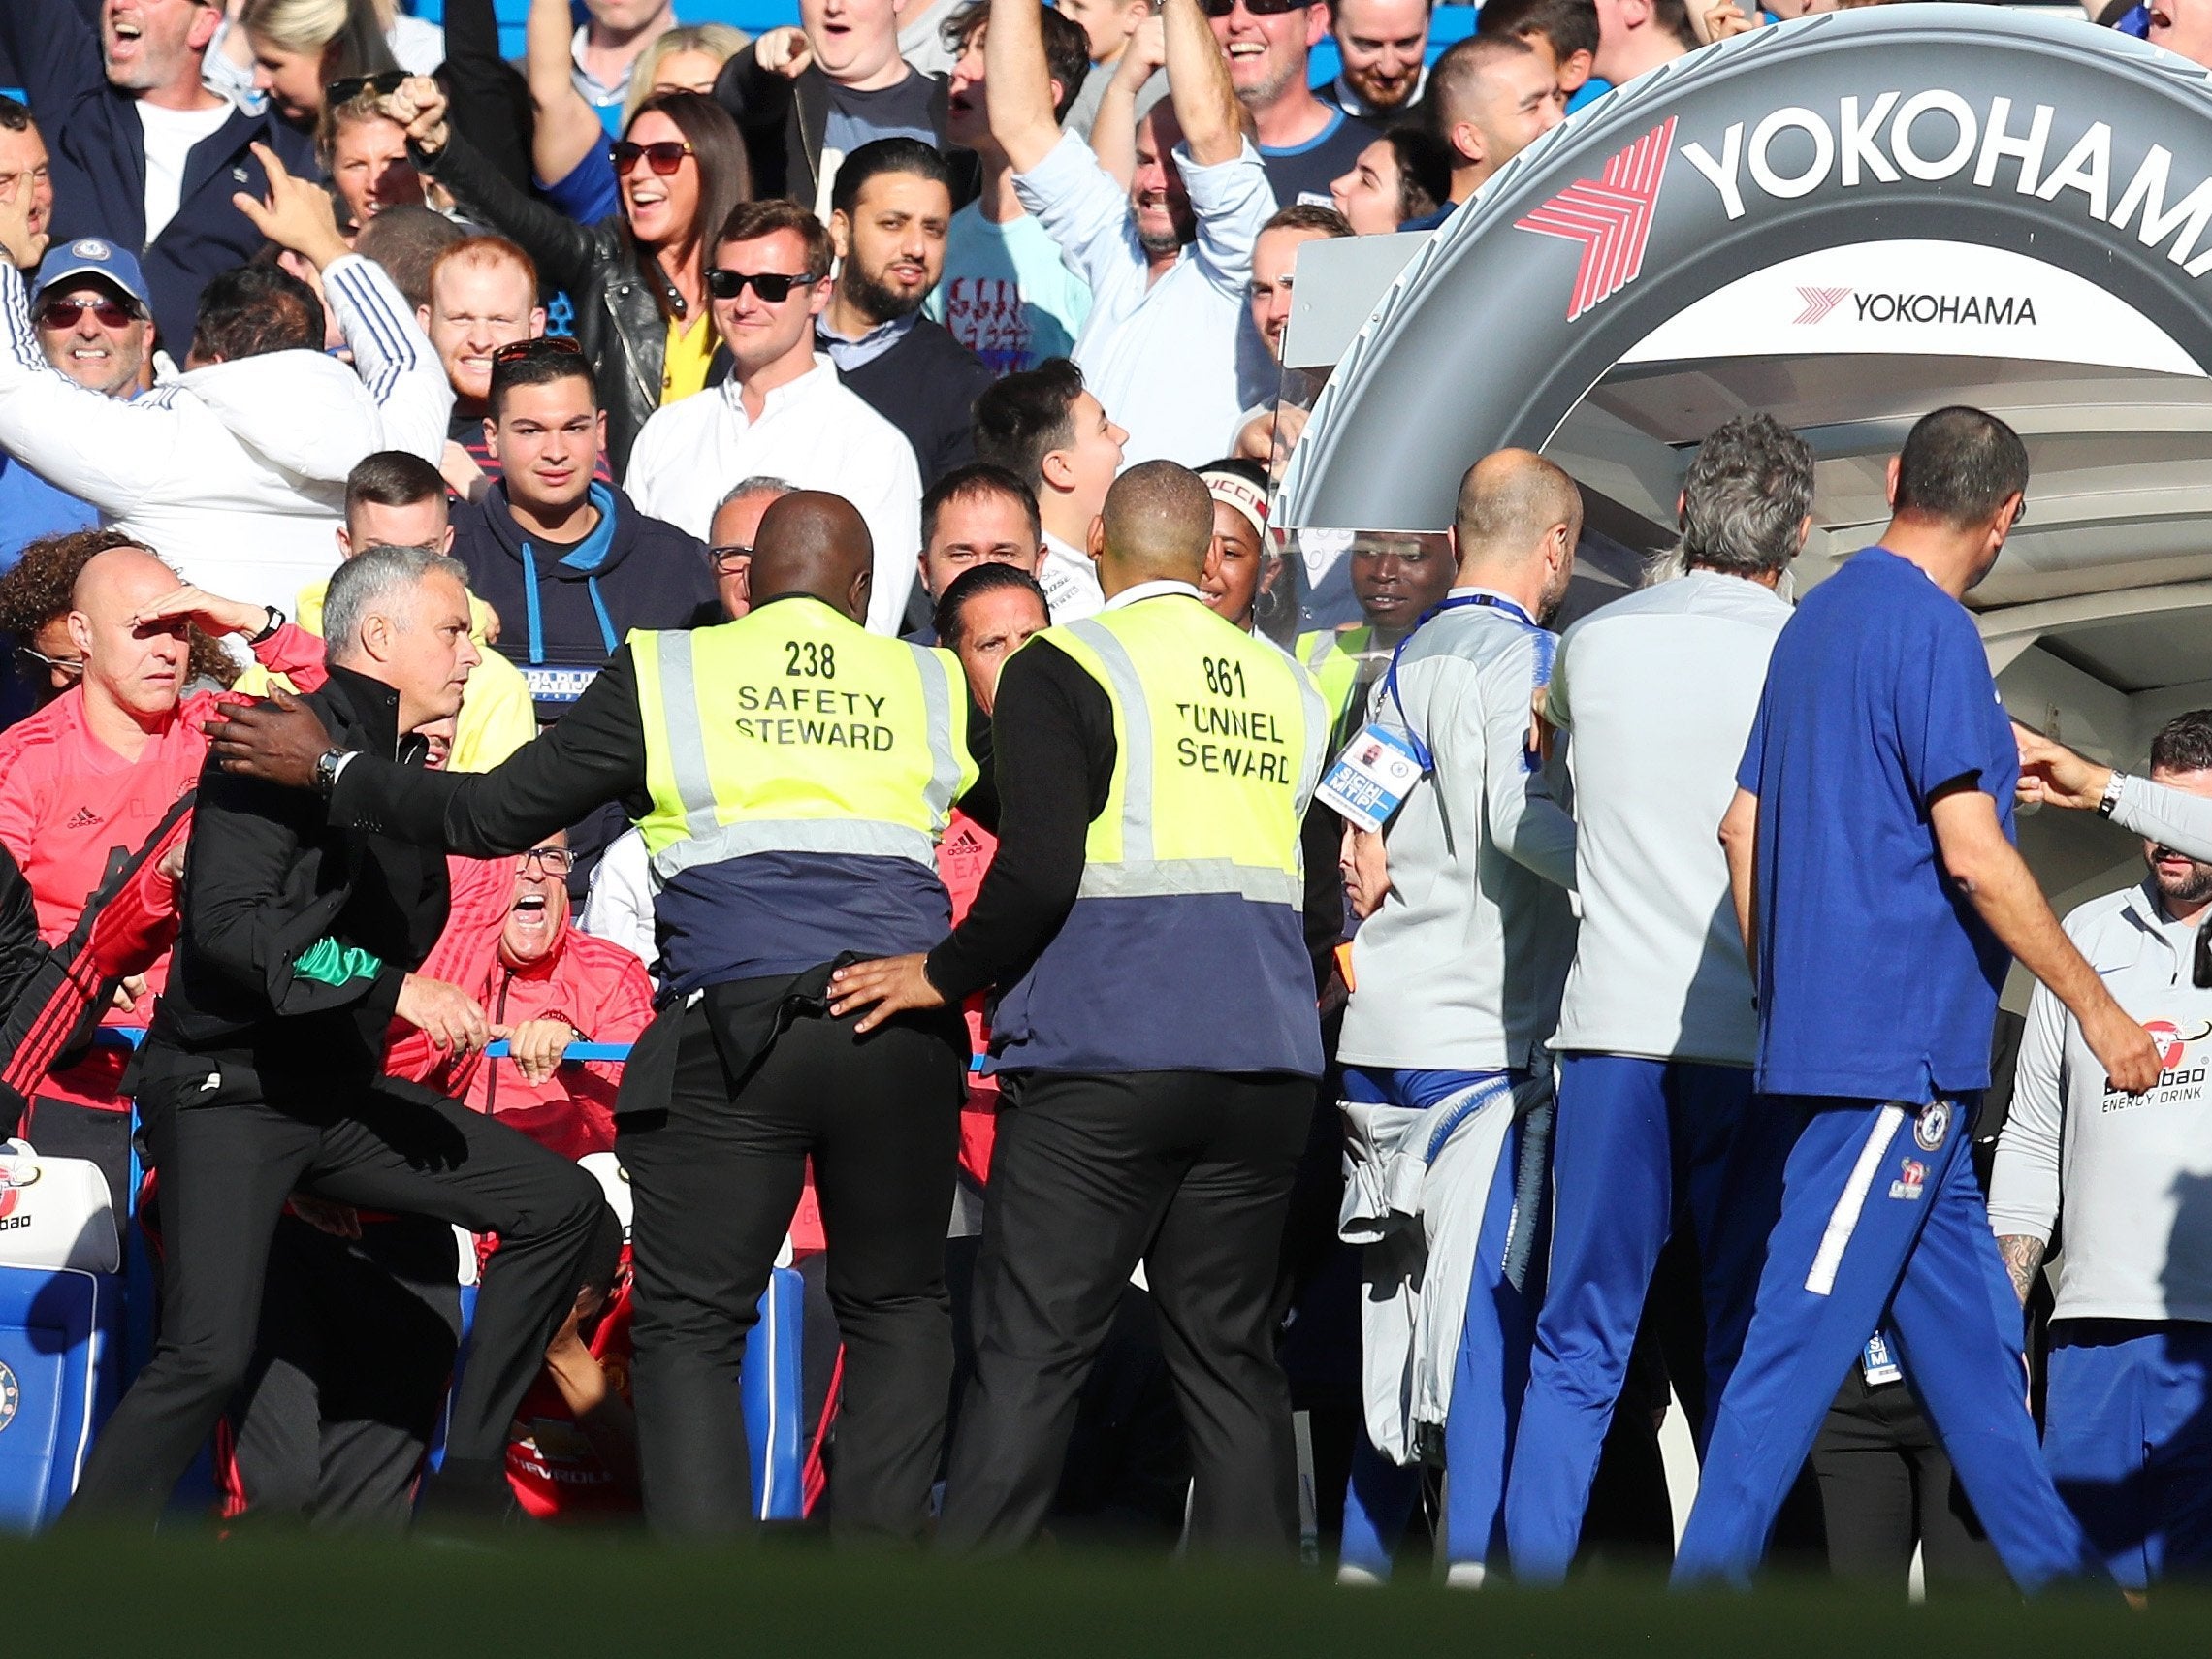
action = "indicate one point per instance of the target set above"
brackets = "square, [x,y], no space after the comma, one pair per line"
[791,774]
[1157,764]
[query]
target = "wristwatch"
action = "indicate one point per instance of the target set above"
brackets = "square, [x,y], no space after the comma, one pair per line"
[276,619]
[2113,784]
[327,766]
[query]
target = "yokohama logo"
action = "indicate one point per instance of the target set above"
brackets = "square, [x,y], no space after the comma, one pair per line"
[1610,216]
[1818,302]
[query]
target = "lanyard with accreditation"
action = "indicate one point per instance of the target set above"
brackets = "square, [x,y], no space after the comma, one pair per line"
[1379,767]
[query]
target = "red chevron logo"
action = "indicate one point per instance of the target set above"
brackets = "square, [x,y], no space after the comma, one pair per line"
[1818,302]
[1610,216]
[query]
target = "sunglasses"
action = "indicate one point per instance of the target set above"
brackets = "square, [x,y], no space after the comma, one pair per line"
[37,662]
[347,89]
[540,345]
[553,860]
[63,313]
[664,157]
[773,286]
[1258,8]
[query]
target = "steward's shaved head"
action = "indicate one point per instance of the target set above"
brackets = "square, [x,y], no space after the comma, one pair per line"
[1509,502]
[1158,523]
[812,542]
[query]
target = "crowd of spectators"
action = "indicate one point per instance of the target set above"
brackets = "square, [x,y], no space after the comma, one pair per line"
[285,281]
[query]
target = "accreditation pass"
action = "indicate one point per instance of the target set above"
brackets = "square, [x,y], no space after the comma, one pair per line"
[1371,779]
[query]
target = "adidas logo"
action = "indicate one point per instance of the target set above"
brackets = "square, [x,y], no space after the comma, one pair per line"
[85,817]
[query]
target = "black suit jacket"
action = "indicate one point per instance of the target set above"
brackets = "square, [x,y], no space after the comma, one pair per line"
[267,877]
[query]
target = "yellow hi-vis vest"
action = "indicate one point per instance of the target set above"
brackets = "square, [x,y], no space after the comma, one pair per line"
[1331,656]
[1185,947]
[793,729]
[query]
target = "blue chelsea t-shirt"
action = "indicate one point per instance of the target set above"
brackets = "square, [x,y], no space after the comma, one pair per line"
[1877,978]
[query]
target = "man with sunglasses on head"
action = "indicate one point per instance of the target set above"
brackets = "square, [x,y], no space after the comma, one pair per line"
[1167,257]
[145,154]
[570,565]
[1304,142]
[784,411]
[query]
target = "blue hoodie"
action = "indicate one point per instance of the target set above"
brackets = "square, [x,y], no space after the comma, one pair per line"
[563,611]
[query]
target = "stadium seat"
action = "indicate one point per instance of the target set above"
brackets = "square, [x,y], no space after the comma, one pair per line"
[60,1328]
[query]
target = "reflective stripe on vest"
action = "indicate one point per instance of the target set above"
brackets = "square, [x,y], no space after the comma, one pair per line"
[844,788]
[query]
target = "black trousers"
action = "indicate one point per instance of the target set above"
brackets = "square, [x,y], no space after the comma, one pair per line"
[1190,1173]
[229,1158]
[715,1179]
[1885,1485]
[356,1348]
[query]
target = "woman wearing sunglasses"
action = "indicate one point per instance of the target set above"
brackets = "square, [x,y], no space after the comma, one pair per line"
[638,279]
[297,50]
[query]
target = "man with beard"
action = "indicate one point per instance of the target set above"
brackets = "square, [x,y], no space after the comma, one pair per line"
[1384,45]
[2125,1435]
[1456,978]
[890,209]
[1169,257]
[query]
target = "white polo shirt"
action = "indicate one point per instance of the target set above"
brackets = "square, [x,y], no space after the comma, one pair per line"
[1658,691]
[2130,1175]
[812,431]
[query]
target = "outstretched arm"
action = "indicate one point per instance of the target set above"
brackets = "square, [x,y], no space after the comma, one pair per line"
[1198,80]
[567,128]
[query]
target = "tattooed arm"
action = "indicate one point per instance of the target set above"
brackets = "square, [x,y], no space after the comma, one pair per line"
[2023,1261]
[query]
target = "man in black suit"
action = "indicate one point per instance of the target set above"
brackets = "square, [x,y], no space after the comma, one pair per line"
[263,1074]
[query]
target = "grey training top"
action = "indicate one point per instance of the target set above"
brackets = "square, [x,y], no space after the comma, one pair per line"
[1658,691]
[1460,967]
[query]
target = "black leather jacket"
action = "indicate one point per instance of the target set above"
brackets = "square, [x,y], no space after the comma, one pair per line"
[618,321]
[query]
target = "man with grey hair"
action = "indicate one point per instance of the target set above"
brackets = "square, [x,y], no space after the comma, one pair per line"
[731,533]
[263,1074]
[1657,1031]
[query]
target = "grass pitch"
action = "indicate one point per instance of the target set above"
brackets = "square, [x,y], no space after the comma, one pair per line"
[550,1597]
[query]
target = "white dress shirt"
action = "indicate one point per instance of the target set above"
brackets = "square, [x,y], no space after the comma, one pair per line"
[811,431]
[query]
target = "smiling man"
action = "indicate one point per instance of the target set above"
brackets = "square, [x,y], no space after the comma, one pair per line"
[1383,46]
[1304,142]
[483,295]
[142,152]
[783,411]
[893,210]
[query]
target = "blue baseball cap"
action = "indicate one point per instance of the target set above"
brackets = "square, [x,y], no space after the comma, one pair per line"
[93,256]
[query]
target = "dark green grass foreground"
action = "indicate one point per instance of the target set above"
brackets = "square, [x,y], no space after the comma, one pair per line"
[552,1598]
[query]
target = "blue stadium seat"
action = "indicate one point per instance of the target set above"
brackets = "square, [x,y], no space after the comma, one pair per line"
[61,1321]
[60,1338]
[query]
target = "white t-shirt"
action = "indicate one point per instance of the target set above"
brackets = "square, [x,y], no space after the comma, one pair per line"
[170,138]
[1071,582]
[1658,692]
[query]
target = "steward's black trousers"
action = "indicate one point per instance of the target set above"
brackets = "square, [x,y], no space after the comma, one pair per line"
[1190,1173]
[229,1158]
[715,1179]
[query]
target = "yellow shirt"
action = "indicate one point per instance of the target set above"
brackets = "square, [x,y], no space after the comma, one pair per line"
[684,361]
[496,715]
